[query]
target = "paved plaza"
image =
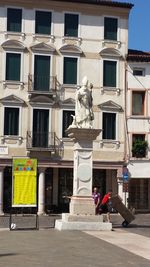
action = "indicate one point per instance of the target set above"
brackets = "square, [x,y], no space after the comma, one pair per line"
[49,247]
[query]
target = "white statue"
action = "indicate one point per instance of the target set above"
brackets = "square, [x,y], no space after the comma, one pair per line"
[83,107]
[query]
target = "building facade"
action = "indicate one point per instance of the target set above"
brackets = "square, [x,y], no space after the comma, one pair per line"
[46,49]
[138,128]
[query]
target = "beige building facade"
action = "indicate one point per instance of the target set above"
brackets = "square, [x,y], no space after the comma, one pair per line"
[46,48]
[138,128]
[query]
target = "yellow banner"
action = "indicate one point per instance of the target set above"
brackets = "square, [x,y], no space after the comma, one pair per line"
[24,182]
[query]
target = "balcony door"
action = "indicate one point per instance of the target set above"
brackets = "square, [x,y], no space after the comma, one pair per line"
[40,127]
[41,73]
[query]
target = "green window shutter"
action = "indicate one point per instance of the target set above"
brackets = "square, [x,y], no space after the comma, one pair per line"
[70,70]
[109,126]
[109,73]
[42,73]
[11,121]
[67,121]
[40,127]
[43,22]
[110,28]
[13,62]
[71,25]
[14,20]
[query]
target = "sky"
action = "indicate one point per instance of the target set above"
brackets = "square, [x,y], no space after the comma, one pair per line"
[139,24]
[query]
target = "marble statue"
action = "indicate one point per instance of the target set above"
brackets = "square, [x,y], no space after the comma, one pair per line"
[83,106]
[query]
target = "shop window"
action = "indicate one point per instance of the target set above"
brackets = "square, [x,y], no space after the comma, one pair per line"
[71,25]
[109,73]
[65,189]
[14,20]
[43,22]
[110,28]
[70,70]
[13,65]
[138,100]
[11,121]
[67,120]
[109,126]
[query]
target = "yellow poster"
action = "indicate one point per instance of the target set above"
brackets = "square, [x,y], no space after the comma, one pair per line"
[24,182]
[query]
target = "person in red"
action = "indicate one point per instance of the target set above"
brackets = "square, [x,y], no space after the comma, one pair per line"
[104,206]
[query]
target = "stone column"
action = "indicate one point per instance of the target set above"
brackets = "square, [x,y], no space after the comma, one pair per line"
[81,201]
[41,192]
[1,190]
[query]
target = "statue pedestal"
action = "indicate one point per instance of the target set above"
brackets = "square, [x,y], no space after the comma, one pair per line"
[82,204]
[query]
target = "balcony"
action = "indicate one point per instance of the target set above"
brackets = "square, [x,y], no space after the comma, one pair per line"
[43,141]
[47,85]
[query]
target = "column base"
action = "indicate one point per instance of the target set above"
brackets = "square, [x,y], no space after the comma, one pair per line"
[83,223]
[82,206]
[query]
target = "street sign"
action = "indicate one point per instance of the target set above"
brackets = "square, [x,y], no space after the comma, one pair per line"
[125,174]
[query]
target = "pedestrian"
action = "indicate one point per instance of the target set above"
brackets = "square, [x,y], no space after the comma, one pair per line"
[96,197]
[105,206]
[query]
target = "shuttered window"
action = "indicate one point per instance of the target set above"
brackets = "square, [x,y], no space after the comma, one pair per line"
[43,22]
[14,20]
[70,70]
[11,121]
[42,73]
[109,126]
[13,64]
[110,28]
[109,73]
[71,25]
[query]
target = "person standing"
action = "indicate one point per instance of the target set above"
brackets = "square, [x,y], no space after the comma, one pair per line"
[96,197]
[104,207]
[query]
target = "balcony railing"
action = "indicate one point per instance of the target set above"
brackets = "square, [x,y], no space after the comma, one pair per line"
[43,141]
[43,84]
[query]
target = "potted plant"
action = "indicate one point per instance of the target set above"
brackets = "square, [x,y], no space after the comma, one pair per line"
[139,148]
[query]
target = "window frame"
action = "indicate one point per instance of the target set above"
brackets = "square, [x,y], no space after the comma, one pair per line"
[36,106]
[19,120]
[78,31]
[63,60]
[117,32]
[139,69]
[143,104]
[21,66]
[117,71]
[34,26]
[116,126]
[41,54]
[62,122]
[22,20]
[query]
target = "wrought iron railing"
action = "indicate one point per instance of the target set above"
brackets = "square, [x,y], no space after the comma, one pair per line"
[44,84]
[43,141]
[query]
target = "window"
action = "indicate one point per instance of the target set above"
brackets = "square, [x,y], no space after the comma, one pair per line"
[67,121]
[40,128]
[138,72]
[109,126]
[138,100]
[14,20]
[70,70]
[11,121]
[110,28]
[13,62]
[43,22]
[139,145]
[42,73]
[109,73]
[71,25]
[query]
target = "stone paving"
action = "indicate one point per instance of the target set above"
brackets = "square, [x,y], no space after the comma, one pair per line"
[52,248]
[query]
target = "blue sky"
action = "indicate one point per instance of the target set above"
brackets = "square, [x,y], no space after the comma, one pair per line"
[139,24]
